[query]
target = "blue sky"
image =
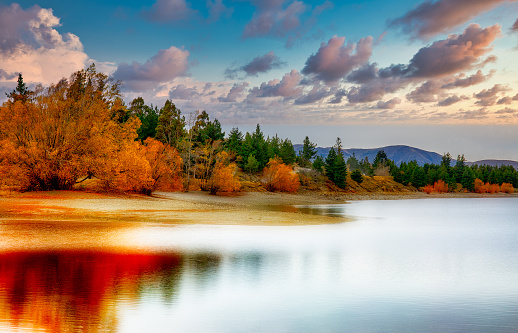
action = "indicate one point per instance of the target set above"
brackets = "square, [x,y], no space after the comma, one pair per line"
[438,74]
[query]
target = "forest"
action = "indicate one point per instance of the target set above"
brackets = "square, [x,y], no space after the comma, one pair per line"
[80,129]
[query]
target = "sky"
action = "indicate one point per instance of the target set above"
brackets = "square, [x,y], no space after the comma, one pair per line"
[440,75]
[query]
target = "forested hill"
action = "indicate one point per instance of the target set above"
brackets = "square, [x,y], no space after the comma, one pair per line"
[495,163]
[397,154]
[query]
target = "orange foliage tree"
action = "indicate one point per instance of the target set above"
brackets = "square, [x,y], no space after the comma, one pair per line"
[224,178]
[165,165]
[77,128]
[278,176]
[507,188]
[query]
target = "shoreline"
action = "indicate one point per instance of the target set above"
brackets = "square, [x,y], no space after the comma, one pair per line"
[247,208]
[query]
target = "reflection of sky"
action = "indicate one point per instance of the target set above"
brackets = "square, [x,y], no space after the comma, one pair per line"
[403,264]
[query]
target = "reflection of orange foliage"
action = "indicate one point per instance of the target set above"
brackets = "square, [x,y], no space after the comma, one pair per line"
[76,291]
[277,176]
[507,188]
[224,179]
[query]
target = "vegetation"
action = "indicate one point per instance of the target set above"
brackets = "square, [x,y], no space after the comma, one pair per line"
[80,129]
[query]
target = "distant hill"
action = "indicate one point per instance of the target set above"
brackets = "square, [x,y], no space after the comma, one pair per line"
[495,163]
[398,154]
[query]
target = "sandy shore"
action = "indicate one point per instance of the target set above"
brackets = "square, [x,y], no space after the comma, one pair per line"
[250,208]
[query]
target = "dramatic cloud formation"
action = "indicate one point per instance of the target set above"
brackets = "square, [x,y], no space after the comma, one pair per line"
[235,92]
[260,64]
[435,17]
[272,18]
[164,66]
[168,11]
[29,43]
[334,60]
[316,94]
[454,54]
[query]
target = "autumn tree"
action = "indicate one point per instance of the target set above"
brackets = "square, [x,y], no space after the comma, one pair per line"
[224,178]
[277,176]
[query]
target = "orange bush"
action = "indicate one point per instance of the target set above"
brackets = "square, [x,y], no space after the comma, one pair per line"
[224,178]
[440,186]
[507,188]
[277,176]
[479,186]
[493,188]
[428,189]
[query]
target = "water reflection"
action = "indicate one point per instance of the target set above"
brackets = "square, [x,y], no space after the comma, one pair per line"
[445,265]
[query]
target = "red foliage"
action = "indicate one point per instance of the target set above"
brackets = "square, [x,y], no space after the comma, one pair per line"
[440,186]
[507,188]
[428,189]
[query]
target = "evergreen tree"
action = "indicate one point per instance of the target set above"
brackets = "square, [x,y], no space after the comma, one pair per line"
[307,153]
[287,152]
[357,176]
[340,171]
[318,164]
[259,147]
[330,164]
[234,141]
[381,159]
[20,93]
[418,177]
[468,179]
[252,165]
[460,167]
[353,163]
[148,117]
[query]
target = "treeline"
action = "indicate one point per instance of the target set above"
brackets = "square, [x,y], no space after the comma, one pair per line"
[80,129]
[447,177]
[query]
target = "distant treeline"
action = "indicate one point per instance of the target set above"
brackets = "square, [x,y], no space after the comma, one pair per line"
[80,129]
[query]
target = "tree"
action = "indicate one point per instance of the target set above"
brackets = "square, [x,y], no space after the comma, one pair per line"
[223,178]
[340,171]
[234,141]
[468,179]
[287,152]
[418,177]
[330,165]
[318,164]
[307,153]
[460,167]
[357,176]
[20,93]
[446,160]
[148,116]
[171,125]
[66,133]
[381,159]
[277,176]
[252,165]
[353,163]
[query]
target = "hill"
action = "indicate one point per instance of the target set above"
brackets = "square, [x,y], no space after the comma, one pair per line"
[398,154]
[495,163]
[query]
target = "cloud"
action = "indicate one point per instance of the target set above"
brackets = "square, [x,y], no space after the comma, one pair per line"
[30,43]
[316,94]
[272,18]
[489,97]
[7,76]
[463,81]
[390,104]
[235,92]
[515,26]
[505,100]
[515,98]
[182,92]
[507,111]
[287,87]
[260,64]
[375,90]
[434,17]
[426,92]
[168,11]
[323,7]
[334,60]
[164,66]
[217,9]
[455,53]
[451,100]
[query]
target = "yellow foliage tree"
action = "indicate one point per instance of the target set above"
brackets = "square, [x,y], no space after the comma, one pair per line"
[278,176]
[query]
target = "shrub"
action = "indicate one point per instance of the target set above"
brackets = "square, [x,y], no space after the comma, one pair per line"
[277,176]
[507,188]
[440,186]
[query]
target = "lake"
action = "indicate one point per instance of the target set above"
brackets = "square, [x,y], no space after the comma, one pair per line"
[426,265]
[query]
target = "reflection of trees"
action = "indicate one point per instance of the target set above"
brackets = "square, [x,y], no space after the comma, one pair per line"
[77,291]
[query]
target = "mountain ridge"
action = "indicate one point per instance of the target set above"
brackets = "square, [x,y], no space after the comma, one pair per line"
[404,153]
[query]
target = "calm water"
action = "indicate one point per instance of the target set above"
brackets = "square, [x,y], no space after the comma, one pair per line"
[433,265]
